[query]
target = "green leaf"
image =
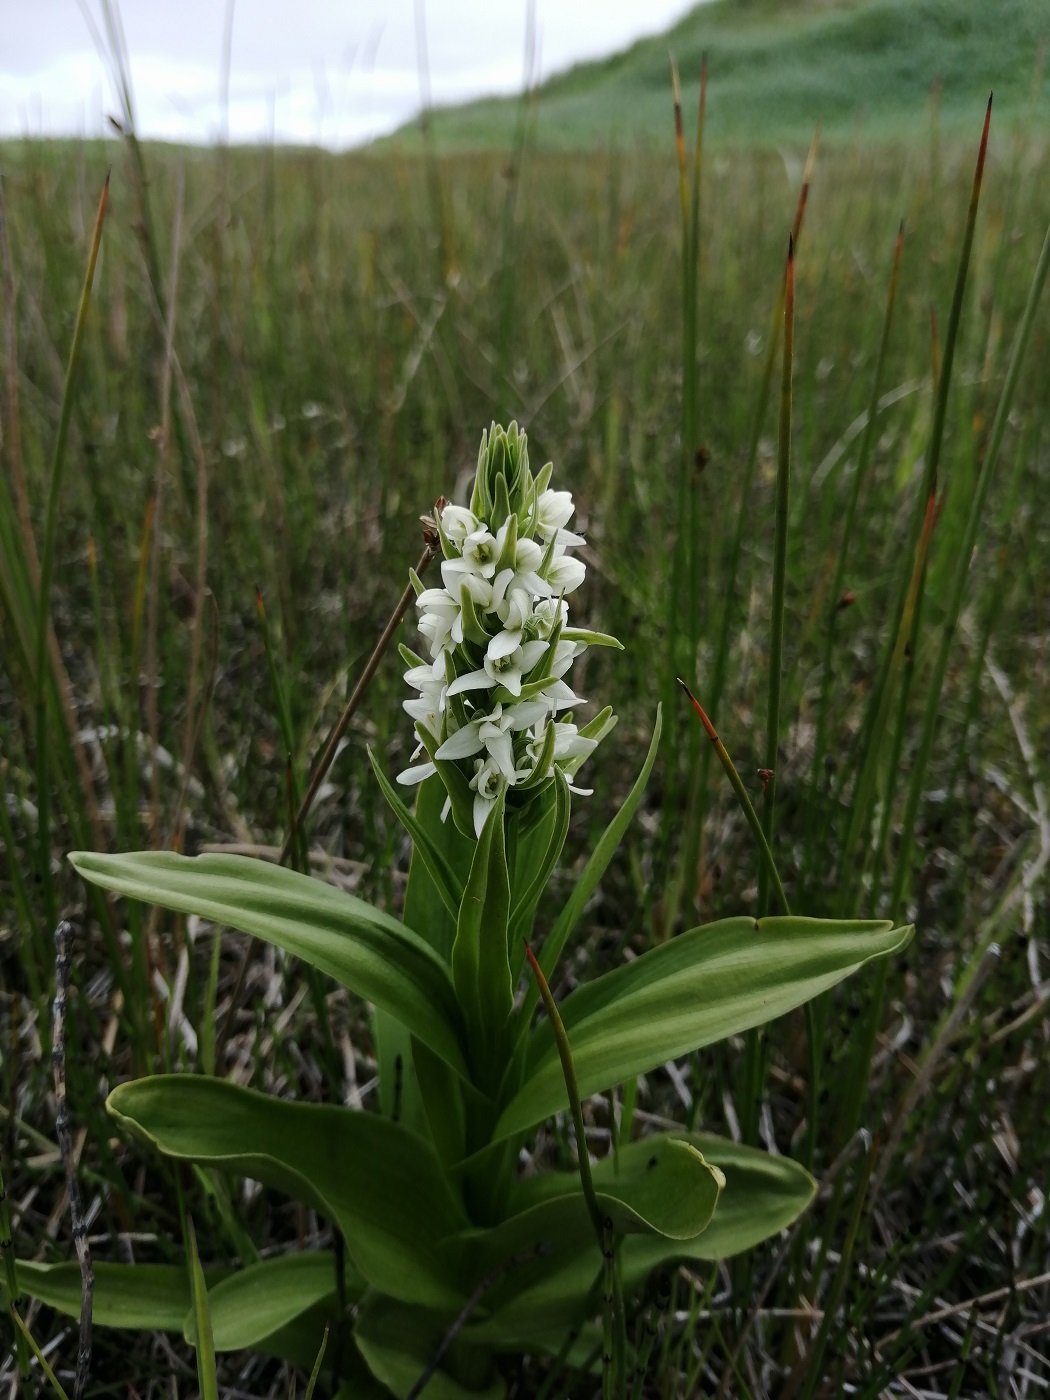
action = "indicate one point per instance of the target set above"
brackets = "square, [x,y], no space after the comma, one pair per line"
[601,726]
[199,1332]
[446,881]
[144,1297]
[368,951]
[316,1369]
[378,1182]
[592,873]
[426,914]
[410,657]
[762,1196]
[254,1303]
[156,1298]
[543,762]
[508,554]
[424,910]
[523,909]
[593,639]
[706,984]
[669,1190]
[452,776]
[480,968]
[399,1343]
[441,1095]
[473,627]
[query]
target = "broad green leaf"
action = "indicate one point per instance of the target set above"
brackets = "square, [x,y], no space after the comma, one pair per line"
[399,1343]
[441,1093]
[254,1303]
[592,872]
[480,968]
[706,984]
[762,1196]
[299,1340]
[156,1298]
[368,951]
[146,1297]
[446,881]
[669,1190]
[380,1183]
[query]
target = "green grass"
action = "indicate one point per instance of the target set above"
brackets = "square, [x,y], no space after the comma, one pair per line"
[777,68]
[346,326]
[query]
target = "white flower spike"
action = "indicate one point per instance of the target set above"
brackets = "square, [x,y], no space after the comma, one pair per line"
[491,699]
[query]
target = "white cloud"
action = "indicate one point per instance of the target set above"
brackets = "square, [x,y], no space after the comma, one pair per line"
[330,71]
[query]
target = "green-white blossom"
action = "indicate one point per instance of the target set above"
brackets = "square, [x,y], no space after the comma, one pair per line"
[493,703]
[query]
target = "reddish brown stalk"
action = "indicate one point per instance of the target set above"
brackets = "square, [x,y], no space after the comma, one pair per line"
[679,142]
[983,151]
[803,194]
[709,728]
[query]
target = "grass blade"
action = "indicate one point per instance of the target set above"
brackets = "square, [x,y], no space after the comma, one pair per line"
[47,562]
[960,578]
[203,1340]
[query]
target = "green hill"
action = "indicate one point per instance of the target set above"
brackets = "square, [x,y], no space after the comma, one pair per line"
[776,69]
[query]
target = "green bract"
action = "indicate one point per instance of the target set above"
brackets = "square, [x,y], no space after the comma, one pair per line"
[439,1228]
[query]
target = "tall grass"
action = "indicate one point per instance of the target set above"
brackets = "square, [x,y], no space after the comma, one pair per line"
[286,436]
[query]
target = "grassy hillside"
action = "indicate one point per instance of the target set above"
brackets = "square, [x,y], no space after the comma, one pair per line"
[776,69]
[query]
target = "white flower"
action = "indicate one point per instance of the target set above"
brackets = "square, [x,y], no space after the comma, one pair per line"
[430,682]
[488,782]
[513,592]
[494,733]
[569,743]
[565,574]
[439,614]
[528,555]
[480,552]
[506,664]
[553,510]
[458,522]
[457,572]
[547,613]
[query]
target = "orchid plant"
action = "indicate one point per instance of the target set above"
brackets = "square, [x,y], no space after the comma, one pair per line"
[463,1245]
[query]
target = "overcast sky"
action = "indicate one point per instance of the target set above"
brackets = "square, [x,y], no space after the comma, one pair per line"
[334,72]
